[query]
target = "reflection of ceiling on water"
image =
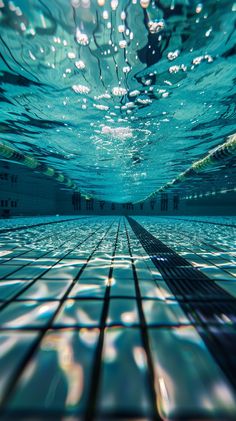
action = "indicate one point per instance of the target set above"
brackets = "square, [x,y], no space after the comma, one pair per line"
[122,96]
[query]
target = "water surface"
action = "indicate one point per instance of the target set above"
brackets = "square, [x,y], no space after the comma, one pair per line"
[121,96]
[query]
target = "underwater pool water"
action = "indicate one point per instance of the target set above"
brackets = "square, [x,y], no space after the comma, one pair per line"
[121,96]
[124,108]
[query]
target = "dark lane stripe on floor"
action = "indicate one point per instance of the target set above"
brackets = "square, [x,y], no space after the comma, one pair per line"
[209,307]
[40,224]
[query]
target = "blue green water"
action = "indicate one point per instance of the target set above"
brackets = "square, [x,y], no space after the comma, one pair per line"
[122,96]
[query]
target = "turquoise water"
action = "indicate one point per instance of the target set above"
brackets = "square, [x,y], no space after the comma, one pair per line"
[122,96]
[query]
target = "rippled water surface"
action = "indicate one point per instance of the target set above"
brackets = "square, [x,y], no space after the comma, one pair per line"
[121,96]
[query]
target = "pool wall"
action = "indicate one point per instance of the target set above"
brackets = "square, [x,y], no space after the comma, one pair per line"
[23,192]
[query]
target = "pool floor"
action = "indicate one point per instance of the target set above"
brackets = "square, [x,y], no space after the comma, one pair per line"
[118,318]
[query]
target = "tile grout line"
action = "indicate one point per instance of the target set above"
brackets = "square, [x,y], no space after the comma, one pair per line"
[211,340]
[97,363]
[11,387]
[30,283]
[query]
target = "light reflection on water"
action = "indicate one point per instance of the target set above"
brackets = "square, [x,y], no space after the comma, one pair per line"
[113,93]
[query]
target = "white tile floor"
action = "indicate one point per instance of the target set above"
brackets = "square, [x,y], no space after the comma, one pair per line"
[88,324]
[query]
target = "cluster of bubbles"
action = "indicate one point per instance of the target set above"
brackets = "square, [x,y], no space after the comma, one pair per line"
[120,68]
[123,40]
[116,21]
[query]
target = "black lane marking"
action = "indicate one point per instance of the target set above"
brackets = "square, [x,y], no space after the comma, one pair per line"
[26,227]
[144,333]
[205,303]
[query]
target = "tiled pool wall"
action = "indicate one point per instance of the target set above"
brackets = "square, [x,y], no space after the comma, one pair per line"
[26,193]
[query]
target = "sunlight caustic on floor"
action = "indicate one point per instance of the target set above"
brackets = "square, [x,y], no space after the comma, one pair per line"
[92,325]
